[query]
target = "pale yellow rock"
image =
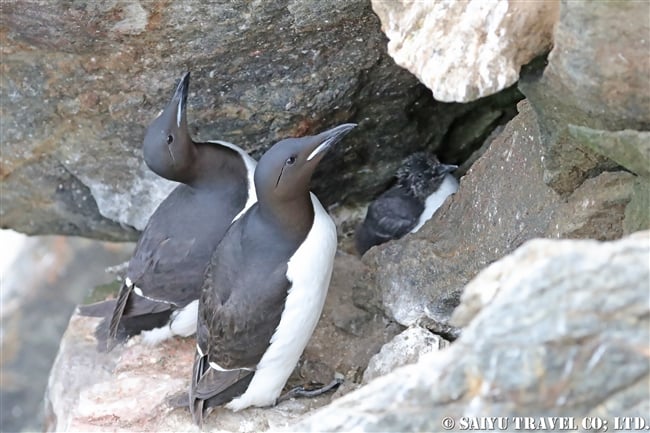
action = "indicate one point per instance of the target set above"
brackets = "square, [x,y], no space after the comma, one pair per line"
[466,49]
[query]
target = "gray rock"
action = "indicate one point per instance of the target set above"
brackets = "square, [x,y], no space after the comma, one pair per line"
[549,339]
[65,204]
[84,80]
[596,209]
[126,389]
[502,201]
[596,77]
[637,212]
[406,348]
[631,149]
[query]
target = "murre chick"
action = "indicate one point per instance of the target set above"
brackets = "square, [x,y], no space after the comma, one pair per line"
[266,283]
[422,185]
[159,296]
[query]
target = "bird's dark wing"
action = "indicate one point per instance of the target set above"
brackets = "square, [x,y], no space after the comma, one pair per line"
[169,268]
[129,326]
[233,334]
[176,245]
[236,323]
[393,215]
[390,216]
[141,314]
[157,264]
[235,327]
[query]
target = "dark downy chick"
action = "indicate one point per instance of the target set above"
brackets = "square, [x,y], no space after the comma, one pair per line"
[422,185]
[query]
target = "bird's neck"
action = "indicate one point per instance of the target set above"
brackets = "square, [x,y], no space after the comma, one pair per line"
[293,217]
[215,166]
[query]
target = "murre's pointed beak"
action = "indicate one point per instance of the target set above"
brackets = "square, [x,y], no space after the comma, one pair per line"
[179,100]
[325,140]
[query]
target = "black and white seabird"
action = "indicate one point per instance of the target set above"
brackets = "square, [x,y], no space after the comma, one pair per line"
[422,186]
[159,296]
[266,283]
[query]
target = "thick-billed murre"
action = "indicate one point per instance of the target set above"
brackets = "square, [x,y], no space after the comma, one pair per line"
[266,283]
[159,296]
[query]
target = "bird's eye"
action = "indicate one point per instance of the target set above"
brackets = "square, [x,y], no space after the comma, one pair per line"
[291,160]
[170,139]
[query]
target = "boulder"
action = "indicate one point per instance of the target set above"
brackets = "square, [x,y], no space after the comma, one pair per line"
[532,346]
[465,50]
[126,389]
[630,149]
[637,212]
[406,348]
[596,209]
[84,81]
[596,78]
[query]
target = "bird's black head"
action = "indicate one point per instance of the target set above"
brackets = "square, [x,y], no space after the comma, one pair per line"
[422,173]
[168,148]
[284,171]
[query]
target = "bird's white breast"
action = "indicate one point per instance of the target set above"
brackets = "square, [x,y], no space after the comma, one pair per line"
[448,186]
[309,271]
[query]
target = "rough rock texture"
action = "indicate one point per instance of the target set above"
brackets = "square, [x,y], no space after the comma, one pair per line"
[405,348]
[501,202]
[630,149]
[533,346]
[81,81]
[464,50]
[125,390]
[596,209]
[596,77]
[637,212]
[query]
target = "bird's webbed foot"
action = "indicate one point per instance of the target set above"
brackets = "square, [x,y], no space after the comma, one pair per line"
[310,390]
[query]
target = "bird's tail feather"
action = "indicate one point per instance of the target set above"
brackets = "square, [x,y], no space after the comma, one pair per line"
[210,388]
[125,316]
[196,403]
[118,311]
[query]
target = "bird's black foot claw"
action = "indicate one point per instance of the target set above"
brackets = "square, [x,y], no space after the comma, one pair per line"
[311,390]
